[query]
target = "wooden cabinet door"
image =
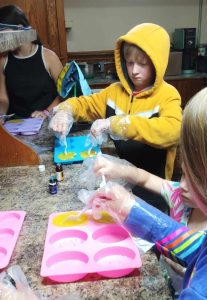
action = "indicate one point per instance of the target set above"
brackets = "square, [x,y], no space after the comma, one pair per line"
[187,87]
[47,17]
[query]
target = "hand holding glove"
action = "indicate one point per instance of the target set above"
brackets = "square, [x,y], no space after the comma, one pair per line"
[99,128]
[61,123]
[40,114]
[116,126]
[116,199]
[110,169]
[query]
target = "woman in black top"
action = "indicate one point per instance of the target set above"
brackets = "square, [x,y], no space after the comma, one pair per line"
[28,74]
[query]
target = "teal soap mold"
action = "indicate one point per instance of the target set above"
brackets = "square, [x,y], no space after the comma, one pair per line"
[76,144]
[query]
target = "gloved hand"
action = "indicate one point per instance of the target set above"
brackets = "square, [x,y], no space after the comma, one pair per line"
[40,114]
[99,128]
[114,198]
[61,123]
[110,169]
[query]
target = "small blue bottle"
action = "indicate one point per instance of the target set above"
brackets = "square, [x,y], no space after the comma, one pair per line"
[52,185]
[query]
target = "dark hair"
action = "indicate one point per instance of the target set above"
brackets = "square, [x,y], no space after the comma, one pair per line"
[11,14]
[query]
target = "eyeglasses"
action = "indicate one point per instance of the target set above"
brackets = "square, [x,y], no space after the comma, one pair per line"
[13,27]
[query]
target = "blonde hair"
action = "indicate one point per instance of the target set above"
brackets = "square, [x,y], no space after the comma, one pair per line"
[131,50]
[194,142]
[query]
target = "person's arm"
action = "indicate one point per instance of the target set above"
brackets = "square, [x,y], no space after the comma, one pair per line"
[4,99]
[88,108]
[162,131]
[116,168]
[83,108]
[175,241]
[137,176]
[171,238]
[54,67]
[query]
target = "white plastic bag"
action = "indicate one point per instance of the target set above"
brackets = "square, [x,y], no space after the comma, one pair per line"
[14,285]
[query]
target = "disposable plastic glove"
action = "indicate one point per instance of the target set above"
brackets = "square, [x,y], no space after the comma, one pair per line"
[99,126]
[92,142]
[92,169]
[120,125]
[114,198]
[99,130]
[61,123]
[103,127]
[111,169]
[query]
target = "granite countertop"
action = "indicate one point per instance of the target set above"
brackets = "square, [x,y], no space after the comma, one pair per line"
[22,188]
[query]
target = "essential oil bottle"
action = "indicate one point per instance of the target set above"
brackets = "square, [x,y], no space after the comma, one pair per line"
[59,172]
[52,185]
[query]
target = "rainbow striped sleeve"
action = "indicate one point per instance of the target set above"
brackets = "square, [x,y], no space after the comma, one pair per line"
[171,238]
[181,245]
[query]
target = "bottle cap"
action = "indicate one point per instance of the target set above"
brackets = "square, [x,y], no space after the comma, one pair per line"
[41,168]
[52,179]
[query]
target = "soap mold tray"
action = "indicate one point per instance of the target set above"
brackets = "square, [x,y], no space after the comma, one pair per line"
[82,246]
[77,145]
[10,226]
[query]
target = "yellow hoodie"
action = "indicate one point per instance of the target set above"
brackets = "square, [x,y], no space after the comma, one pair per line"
[152,130]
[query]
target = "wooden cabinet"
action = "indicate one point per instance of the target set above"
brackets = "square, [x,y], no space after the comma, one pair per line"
[188,87]
[47,17]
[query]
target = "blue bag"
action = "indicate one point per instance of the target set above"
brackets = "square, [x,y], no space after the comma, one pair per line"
[70,77]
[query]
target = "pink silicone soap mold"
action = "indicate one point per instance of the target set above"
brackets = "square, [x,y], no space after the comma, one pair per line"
[10,226]
[81,246]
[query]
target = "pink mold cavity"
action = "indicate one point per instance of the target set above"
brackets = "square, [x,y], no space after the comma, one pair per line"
[64,261]
[120,255]
[110,234]
[114,258]
[69,259]
[68,237]
[7,216]
[3,252]
[6,233]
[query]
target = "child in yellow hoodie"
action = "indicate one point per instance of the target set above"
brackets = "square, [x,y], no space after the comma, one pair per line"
[142,112]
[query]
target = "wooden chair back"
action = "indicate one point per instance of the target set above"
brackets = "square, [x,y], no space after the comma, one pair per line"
[14,152]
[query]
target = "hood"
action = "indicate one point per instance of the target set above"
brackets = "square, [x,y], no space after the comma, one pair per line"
[154,41]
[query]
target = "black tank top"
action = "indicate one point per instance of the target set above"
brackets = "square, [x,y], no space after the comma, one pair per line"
[29,85]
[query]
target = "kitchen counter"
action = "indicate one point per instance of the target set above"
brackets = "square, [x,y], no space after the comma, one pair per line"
[22,188]
[100,82]
[184,76]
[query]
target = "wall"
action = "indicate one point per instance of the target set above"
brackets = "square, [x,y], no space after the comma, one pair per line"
[96,24]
